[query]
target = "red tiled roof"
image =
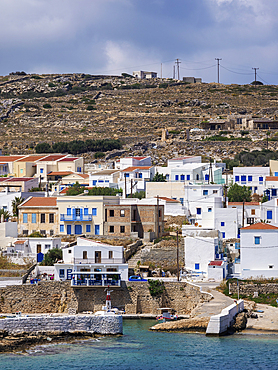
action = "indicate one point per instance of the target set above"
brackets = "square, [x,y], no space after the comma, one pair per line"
[216,263]
[15,179]
[245,203]
[10,158]
[64,190]
[51,158]
[31,158]
[139,158]
[69,159]
[271,178]
[169,199]
[20,242]
[83,175]
[40,202]
[60,173]
[180,158]
[130,169]
[260,226]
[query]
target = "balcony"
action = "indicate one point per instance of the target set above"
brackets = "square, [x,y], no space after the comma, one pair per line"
[86,279]
[64,217]
[88,261]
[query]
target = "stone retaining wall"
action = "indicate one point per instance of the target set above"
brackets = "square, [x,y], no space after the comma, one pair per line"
[104,325]
[249,288]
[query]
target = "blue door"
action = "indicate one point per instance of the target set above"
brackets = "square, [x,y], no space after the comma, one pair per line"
[96,229]
[78,229]
[69,271]
[39,257]
[69,229]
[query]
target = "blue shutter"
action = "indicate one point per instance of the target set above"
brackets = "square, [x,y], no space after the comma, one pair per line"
[206,177]
[68,211]
[62,228]
[88,228]
[182,177]
[236,178]
[97,230]
[86,211]
[94,212]
[187,177]
[269,215]
[250,178]
[197,266]
[34,218]
[177,177]
[25,218]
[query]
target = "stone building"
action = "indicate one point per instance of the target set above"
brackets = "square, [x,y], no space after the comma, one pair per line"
[134,219]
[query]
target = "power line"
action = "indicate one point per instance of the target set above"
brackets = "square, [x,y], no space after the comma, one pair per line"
[197,69]
[239,73]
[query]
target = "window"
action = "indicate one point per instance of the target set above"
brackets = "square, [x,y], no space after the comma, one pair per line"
[69,251]
[243,178]
[261,179]
[34,218]
[126,174]
[25,218]
[94,211]
[111,229]
[250,178]
[197,266]
[177,177]
[181,200]
[187,177]
[85,255]
[94,182]
[269,215]
[222,223]
[209,209]
[62,228]
[42,218]
[257,240]
[122,229]
[122,213]
[100,181]
[25,232]
[41,170]
[68,211]
[206,177]
[167,177]
[215,191]
[43,232]
[110,255]
[236,178]
[62,273]
[274,192]
[253,211]
[159,213]
[51,218]
[223,235]
[140,175]
[21,170]
[182,177]
[77,212]
[275,173]
[47,246]
[198,211]
[88,228]
[86,211]
[205,192]
[250,220]
[270,266]
[255,189]
[78,169]
[111,212]
[51,232]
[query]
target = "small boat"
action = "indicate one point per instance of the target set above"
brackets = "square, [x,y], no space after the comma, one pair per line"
[167,314]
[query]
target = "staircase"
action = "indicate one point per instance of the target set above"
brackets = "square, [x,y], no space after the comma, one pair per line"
[132,262]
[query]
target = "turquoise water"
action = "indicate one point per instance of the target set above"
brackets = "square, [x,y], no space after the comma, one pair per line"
[140,349]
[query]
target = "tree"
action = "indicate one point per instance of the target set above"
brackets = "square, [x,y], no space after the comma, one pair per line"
[75,189]
[52,256]
[5,214]
[15,203]
[138,194]
[159,177]
[239,193]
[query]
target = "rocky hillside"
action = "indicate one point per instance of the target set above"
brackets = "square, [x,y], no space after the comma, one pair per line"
[51,108]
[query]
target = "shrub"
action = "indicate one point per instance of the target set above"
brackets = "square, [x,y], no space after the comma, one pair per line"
[156,287]
[47,106]
[99,155]
[90,107]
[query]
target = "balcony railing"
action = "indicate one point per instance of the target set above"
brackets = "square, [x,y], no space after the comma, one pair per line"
[94,282]
[64,217]
[97,260]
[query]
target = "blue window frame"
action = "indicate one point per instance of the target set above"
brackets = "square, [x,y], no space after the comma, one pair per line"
[275,173]
[61,273]
[94,211]
[25,218]
[86,211]
[209,209]
[78,169]
[206,177]
[100,181]
[69,229]
[222,223]
[197,266]
[199,211]
[68,211]
[269,215]
[250,178]
[34,218]
[78,229]
[41,170]
[257,240]
[223,235]
[88,228]
[167,177]
[177,177]
[274,192]
[140,175]
[182,177]
[243,178]
[127,175]
[181,200]
[205,192]
[62,228]
[261,179]
[187,177]
[94,182]
[97,230]
[106,180]
[236,178]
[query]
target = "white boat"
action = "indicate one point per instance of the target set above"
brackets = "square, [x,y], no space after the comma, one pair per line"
[167,314]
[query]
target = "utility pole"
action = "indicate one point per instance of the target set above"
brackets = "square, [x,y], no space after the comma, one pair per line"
[210,172]
[178,67]
[125,185]
[218,60]
[174,73]
[157,217]
[161,71]
[255,69]
[131,188]
[243,212]
[178,265]
[267,139]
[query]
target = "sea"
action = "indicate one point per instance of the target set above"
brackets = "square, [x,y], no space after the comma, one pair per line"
[141,349]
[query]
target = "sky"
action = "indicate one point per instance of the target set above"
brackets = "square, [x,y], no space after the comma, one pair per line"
[115,36]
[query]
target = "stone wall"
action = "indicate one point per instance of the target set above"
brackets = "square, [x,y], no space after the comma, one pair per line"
[64,324]
[133,297]
[248,288]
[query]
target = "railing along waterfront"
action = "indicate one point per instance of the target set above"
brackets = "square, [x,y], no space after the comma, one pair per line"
[97,260]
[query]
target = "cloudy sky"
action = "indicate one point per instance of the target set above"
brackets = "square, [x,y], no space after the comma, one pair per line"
[115,36]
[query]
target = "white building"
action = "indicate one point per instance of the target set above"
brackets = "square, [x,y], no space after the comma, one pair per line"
[259,251]
[144,74]
[252,212]
[126,162]
[105,178]
[252,177]
[92,263]
[217,270]
[201,246]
